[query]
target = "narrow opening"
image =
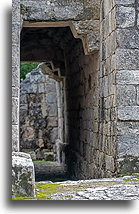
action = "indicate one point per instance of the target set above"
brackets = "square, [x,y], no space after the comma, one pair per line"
[71,80]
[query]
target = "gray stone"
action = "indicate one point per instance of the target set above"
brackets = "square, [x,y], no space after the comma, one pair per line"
[125,16]
[15,138]
[127,128]
[127,59]
[23,179]
[15,110]
[128,113]
[137,95]
[128,146]
[127,77]
[125,2]
[126,95]
[127,38]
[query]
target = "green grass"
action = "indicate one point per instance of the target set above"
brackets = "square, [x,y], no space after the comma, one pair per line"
[44,191]
[21,198]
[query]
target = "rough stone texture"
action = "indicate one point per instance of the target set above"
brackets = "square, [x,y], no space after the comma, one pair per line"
[94,95]
[123,188]
[22,175]
[38,114]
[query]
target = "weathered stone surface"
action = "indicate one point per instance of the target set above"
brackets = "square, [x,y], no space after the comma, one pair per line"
[15,138]
[38,115]
[127,59]
[125,2]
[128,146]
[128,113]
[127,128]
[23,179]
[137,95]
[127,77]
[125,16]
[126,95]
[128,38]
[15,110]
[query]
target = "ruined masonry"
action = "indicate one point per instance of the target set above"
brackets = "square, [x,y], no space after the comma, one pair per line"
[95,46]
[38,116]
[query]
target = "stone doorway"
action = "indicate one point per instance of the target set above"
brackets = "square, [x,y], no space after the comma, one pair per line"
[78,73]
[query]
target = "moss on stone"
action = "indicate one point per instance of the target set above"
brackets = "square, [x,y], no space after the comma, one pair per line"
[44,191]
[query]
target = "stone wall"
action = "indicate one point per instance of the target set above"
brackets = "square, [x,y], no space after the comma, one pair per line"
[86,159]
[127,83]
[38,115]
[107,87]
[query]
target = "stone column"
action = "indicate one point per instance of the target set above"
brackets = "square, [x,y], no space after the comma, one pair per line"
[15,73]
[23,178]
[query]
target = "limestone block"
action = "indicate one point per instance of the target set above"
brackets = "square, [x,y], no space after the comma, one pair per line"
[127,77]
[52,110]
[125,2]
[15,138]
[93,41]
[41,88]
[137,95]
[15,55]
[15,33]
[126,95]
[15,76]
[87,26]
[15,110]
[54,134]
[15,92]
[127,128]
[23,179]
[128,113]
[125,16]
[55,10]
[16,11]
[128,145]
[127,59]
[51,97]
[23,99]
[107,6]
[127,38]
[109,160]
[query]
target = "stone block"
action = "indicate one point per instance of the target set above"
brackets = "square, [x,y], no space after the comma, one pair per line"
[127,77]
[15,92]
[15,138]
[127,38]
[16,33]
[109,161]
[52,110]
[128,113]
[127,59]
[15,110]
[125,16]
[15,55]
[15,76]
[138,95]
[126,95]
[125,2]
[23,178]
[51,98]
[127,128]
[128,145]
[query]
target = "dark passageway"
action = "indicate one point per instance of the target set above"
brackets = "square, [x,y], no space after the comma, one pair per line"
[80,104]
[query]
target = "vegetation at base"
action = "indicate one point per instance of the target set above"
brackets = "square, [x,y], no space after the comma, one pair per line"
[21,198]
[44,191]
[26,67]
